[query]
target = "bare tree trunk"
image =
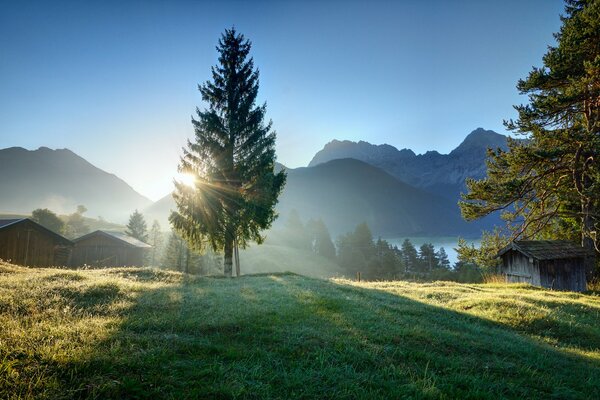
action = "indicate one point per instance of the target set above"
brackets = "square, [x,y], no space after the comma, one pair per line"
[187,260]
[586,241]
[237,258]
[227,257]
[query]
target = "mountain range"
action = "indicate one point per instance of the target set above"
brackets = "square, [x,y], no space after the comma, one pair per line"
[60,180]
[440,174]
[397,192]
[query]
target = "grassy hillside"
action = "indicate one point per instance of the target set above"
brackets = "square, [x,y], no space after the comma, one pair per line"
[143,333]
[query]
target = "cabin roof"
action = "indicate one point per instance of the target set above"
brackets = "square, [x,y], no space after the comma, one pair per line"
[5,223]
[546,249]
[120,236]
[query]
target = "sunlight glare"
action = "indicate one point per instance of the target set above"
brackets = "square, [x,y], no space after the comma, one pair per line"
[186,179]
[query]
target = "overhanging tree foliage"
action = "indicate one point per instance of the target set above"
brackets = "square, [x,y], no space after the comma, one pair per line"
[548,185]
[232,160]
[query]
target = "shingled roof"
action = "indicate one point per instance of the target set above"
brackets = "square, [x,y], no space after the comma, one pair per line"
[546,249]
[126,239]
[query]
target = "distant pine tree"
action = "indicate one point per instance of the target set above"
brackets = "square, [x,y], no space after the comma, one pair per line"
[137,226]
[410,258]
[427,258]
[156,241]
[443,261]
[321,239]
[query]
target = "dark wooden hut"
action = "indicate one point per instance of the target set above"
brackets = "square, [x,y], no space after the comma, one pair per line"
[553,264]
[108,249]
[25,242]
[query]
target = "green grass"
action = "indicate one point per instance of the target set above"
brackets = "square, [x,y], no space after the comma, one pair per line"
[144,333]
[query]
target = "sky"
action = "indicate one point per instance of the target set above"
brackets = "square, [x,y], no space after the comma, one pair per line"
[116,81]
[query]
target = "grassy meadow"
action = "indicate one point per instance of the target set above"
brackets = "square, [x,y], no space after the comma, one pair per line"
[144,333]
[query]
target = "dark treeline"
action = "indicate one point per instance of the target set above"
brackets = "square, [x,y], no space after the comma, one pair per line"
[355,252]
[375,259]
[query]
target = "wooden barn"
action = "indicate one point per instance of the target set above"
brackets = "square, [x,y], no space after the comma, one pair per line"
[108,249]
[25,242]
[553,264]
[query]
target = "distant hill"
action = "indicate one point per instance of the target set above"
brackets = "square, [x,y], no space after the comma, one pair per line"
[441,174]
[347,192]
[60,180]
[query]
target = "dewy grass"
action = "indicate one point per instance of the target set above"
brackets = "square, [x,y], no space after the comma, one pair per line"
[145,333]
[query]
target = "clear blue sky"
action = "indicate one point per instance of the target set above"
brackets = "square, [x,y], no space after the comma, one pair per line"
[115,81]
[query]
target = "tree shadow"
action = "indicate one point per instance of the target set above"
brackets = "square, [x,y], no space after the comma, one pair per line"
[287,336]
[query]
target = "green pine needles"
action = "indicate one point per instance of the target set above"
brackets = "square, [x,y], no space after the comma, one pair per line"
[232,160]
[548,185]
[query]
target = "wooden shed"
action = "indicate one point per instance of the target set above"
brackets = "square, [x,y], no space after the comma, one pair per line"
[25,242]
[108,249]
[553,264]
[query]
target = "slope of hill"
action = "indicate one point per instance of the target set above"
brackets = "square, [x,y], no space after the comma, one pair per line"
[346,192]
[442,174]
[60,180]
[144,333]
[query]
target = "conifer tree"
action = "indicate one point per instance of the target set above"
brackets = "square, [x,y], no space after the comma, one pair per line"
[321,239]
[427,258]
[549,184]
[156,241]
[137,226]
[443,261]
[409,256]
[231,158]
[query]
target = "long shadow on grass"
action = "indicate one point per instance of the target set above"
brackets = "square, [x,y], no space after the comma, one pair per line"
[286,336]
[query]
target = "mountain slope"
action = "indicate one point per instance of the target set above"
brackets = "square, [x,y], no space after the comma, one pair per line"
[441,174]
[347,192]
[60,180]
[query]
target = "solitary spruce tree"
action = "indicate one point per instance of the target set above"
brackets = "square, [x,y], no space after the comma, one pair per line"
[548,186]
[232,160]
[137,226]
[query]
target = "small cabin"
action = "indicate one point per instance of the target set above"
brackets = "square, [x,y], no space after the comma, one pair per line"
[553,264]
[108,249]
[25,242]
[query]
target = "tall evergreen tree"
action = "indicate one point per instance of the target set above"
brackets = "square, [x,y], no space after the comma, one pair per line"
[321,239]
[232,160]
[443,261]
[427,258]
[409,256]
[175,252]
[156,241]
[136,227]
[297,234]
[549,184]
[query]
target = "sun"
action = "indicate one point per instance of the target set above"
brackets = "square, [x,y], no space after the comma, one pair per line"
[186,179]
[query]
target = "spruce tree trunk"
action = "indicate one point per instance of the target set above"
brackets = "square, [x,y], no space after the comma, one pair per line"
[237,258]
[228,258]
[586,241]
